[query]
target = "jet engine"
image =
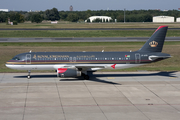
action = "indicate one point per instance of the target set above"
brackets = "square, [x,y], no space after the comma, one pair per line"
[68,72]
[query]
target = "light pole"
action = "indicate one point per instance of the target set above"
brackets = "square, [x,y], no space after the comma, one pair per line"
[124,15]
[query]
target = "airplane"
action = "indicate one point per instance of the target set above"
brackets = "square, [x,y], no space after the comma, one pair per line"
[75,64]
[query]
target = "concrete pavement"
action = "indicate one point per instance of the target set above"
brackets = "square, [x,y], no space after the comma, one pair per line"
[106,96]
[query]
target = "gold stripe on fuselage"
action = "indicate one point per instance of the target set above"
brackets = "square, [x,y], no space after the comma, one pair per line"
[18,63]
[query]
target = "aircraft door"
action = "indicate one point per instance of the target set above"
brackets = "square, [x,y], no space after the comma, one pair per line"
[28,58]
[70,59]
[74,59]
[137,58]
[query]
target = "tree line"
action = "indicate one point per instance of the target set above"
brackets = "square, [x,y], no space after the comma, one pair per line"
[80,16]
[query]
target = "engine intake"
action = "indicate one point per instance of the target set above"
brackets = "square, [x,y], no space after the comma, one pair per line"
[68,72]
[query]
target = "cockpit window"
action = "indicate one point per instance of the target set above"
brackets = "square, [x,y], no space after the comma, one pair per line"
[16,58]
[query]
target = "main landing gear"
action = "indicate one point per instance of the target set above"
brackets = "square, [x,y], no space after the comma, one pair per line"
[85,75]
[28,76]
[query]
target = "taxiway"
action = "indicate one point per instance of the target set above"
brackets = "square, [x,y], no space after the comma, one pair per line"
[106,96]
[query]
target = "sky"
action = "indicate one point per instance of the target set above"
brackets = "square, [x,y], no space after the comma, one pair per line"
[83,5]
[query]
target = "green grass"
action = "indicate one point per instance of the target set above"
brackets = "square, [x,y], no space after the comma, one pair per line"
[9,50]
[75,44]
[66,24]
[81,33]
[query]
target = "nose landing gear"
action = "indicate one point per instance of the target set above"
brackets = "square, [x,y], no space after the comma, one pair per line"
[28,76]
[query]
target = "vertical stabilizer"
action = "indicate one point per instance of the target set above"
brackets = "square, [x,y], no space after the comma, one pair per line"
[156,41]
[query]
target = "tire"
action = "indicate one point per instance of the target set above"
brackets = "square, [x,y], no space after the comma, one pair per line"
[28,76]
[86,77]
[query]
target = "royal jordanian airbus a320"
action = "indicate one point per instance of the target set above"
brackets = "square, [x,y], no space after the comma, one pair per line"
[74,64]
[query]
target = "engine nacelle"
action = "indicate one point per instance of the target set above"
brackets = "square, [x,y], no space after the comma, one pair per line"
[68,72]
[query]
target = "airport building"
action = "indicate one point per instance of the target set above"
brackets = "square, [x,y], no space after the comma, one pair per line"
[178,19]
[106,18]
[4,10]
[163,19]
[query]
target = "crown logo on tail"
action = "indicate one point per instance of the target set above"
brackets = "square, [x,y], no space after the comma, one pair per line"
[153,44]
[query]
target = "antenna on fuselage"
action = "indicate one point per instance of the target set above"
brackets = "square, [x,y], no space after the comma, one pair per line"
[102,50]
[30,51]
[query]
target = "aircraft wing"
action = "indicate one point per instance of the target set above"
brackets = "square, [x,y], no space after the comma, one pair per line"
[90,67]
[82,67]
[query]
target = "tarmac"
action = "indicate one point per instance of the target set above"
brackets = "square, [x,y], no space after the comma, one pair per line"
[106,96]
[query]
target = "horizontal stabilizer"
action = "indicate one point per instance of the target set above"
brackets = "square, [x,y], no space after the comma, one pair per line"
[158,57]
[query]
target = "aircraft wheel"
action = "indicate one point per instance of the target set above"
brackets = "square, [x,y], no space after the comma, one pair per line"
[28,76]
[86,77]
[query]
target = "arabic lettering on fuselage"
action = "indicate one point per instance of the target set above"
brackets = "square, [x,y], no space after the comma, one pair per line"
[61,56]
[85,56]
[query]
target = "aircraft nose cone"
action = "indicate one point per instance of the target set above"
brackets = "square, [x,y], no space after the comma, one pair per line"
[7,65]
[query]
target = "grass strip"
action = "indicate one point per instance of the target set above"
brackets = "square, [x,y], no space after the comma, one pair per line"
[66,24]
[75,44]
[81,33]
[9,50]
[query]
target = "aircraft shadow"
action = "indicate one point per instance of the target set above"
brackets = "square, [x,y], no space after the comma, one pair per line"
[37,76]
[165,74]
[92,78]
[95,79]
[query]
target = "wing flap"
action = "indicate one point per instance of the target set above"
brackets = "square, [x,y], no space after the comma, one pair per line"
[82,67]
[90,67]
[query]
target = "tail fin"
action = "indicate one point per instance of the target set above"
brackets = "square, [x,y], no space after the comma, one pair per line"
[156,41]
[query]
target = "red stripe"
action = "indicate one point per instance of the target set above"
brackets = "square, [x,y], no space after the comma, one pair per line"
[160,28]
[62,70]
